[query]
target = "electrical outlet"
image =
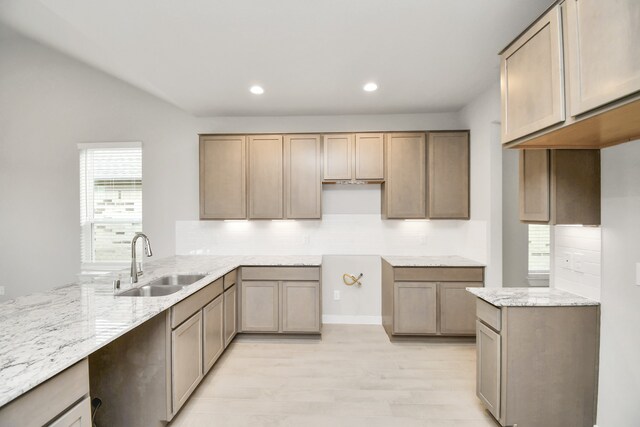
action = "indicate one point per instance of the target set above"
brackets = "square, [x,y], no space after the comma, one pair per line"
[638,274]
[306,239]
[1,290]
[422,238]
[578,262]
[336,295]
[565,260]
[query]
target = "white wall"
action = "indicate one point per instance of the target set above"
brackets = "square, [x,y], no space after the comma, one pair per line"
[619,383]
[577,260]
[482,117]
[515,234]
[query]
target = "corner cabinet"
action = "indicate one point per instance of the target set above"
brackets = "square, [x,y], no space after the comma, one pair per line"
[223,177]
[280,300]
[560,186]
[448,178]
[404,191]
[429,300]
[546,356]
[532,79]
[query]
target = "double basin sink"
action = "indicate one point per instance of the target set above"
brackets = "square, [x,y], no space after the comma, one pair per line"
[162,286]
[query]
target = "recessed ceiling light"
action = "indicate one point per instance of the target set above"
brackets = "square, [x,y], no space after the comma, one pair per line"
[370,87]
[256,90]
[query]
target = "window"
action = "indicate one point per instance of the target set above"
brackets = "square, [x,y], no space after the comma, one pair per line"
[539,249]
[110,201]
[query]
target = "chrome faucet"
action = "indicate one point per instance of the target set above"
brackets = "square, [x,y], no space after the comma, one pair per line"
[147,250]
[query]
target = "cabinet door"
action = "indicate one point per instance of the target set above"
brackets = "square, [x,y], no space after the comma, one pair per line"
[260,306]
[338,157]
[265,177]
[230,314]
[213,323]
[488,368]
[300,307]
[457,308]
[223,177]
[303,176]
[604,51]
[534,186]
[78,416]
[369,156]
[404,191]
[186,359]
[414,308]
[532,79]
[448,182]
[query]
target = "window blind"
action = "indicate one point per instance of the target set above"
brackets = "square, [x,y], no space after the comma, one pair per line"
[539,248]
[110,201]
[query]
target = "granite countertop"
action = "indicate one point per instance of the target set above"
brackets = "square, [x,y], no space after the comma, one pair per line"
[43,334]
[431,261]
[530,297]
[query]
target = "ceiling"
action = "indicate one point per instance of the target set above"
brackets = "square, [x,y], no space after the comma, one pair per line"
[311,57]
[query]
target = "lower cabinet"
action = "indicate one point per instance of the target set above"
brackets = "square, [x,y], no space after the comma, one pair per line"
[538,365]
[186,360]
[280,300]
[429,300]
[230,314]
[414,310]
[213,316]
[49,403]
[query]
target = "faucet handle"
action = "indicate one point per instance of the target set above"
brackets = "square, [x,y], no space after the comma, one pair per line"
[116,285]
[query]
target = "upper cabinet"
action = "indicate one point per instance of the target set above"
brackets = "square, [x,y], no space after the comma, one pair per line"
[604,51]
[223,177]
[349,157]
[266,178]
[303,176]
[572,80]
[560,186]
[532,79]
[404,191]
[448,175]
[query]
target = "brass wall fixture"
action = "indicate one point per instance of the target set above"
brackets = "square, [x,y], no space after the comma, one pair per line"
[350,279]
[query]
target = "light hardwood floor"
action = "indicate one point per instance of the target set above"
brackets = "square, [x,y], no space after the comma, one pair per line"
[354,376]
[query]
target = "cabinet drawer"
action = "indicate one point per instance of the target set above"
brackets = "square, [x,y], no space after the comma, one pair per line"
[78,416]
[281,273]
[489,314]
[230,279]
[438,274]
[185,308]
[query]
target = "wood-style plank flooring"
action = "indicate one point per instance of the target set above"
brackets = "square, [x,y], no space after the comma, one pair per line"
[353,376]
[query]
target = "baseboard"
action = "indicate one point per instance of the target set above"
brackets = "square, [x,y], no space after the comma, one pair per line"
[351,320]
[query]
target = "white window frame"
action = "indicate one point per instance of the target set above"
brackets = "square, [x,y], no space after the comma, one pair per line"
[540,275]
[88,235]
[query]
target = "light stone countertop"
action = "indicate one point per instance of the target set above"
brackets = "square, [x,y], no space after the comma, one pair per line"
[530,297]
[43,334]
[431,261]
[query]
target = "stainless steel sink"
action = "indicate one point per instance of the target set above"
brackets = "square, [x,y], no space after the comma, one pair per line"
[163,286]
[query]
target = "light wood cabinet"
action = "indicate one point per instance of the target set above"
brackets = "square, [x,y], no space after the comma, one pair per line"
[223,177]
[266,177]
[457,308]
[532,79]
[186,359]
[338,157]
[260,306]
[78,416]
[300,306]
[404,190]
[560,186]
[604,53]
[488,368]
[230,314]
[280,300]
[415,308]
[303,176]
[369,156]
[50,401]
[213,334]
[535,185]
[546,356]
[448,175]
[429,300]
